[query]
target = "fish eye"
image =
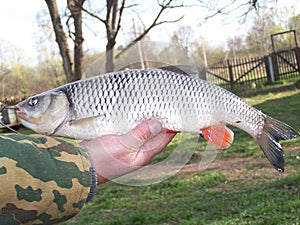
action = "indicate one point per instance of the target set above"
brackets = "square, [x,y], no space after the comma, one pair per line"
[33,101]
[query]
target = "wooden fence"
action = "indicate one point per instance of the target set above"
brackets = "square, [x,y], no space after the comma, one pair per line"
[241,74]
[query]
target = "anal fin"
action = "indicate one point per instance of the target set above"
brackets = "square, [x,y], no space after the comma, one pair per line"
[168,131]
[219,135]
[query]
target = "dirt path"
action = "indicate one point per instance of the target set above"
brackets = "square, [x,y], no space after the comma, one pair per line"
[248,169]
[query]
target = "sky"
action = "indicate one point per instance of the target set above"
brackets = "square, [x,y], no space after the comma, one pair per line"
[17,22]
[18,25]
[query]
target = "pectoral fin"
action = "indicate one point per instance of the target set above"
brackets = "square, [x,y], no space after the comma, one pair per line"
[83,122]
[219,135]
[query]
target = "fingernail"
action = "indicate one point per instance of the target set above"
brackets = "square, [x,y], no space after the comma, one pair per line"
[155,127]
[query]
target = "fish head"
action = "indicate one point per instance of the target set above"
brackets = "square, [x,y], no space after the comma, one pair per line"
[44,113]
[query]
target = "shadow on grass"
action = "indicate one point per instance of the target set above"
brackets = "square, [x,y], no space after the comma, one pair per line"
[271,88]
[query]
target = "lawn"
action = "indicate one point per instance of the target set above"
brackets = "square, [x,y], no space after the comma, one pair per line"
[238,187]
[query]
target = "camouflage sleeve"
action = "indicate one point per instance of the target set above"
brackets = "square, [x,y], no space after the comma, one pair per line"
[43,180]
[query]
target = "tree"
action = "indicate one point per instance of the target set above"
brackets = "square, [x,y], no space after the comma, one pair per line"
[210,55]
[113,21]
[183,36]
[258,38]
[75,7]
[61,39]
[294,24]
[235,46]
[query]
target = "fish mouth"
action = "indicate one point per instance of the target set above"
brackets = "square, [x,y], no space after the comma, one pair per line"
[20,112]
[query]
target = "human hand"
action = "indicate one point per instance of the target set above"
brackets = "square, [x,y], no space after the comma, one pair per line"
[116,155]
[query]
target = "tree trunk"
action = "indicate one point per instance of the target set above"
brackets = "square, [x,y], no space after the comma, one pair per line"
[109,63]
[61,39]
[75,9]
[111,31]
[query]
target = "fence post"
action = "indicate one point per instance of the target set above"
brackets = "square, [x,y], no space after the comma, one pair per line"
[230,75]
[202,72]
[269,69]
[275,66]
[297,50]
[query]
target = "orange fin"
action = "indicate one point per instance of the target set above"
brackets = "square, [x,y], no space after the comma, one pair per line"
[219,136]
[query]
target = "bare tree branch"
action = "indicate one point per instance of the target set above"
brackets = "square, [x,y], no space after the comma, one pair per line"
[120,18]
[130,6]
[71,34]
[245,8]
[220,10]
[93,15]
[155,23]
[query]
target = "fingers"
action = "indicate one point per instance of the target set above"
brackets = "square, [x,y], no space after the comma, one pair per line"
[156,144]
[137,137]
[151,148]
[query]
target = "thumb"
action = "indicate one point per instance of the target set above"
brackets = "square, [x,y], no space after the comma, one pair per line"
[136,138]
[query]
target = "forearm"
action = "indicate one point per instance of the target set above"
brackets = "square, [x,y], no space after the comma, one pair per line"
[42,179]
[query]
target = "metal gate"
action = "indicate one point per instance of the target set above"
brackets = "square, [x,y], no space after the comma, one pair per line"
[286,64]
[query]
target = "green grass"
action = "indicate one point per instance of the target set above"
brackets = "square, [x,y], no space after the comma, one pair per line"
[182,200]
[237,193]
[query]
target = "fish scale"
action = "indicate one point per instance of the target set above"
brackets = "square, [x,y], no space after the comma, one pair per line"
[114,103]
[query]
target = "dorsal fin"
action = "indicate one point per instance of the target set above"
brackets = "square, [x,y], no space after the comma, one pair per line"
[192,71]
[175,69]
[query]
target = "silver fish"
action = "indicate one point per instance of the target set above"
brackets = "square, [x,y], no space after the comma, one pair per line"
[116,102]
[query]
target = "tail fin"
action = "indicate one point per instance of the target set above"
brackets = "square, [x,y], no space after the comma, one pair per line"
[272,133]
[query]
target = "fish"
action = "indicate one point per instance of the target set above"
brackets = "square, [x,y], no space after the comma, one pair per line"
[114,103]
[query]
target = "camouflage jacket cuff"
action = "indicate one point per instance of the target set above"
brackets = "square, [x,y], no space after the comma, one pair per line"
[94,184]
[43,180]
